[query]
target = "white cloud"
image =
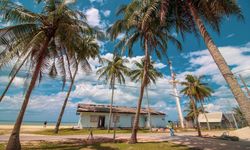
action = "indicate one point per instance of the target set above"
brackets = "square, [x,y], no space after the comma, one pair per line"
[106,13]
[18,3]
[230,35]
[98,1]
[174,34]
[203,64]
[89,90]
[17,82]
[93,17]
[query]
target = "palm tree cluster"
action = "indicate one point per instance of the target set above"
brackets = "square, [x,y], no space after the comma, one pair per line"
[58,40]
[196,91]
[48,43]
[150,22]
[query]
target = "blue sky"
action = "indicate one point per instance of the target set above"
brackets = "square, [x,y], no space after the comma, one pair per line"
[47,99]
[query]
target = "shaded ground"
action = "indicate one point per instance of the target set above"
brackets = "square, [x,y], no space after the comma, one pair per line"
[69,131]
[181,138]
[78,144]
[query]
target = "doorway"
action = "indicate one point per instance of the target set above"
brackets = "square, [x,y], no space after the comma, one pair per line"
[101,121]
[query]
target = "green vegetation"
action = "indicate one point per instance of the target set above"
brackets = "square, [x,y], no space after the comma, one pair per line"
[2,146]
[102,146]
[69,131]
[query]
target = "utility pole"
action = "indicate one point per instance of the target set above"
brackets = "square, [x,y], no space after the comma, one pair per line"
[245,85]
[176,94]
[149,114]
[234,120]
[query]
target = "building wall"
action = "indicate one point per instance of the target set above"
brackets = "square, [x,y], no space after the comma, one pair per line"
[158,121]
[125,120]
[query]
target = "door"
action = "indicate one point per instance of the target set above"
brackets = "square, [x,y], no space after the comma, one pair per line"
[101,121]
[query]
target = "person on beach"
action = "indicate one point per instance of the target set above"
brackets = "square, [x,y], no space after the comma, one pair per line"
[45,124]
[170,126]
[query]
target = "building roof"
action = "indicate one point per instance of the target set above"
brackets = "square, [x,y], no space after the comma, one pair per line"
[116,109]
[211,117]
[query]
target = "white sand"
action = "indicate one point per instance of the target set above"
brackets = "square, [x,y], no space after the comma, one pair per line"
[243,133]
[32,127]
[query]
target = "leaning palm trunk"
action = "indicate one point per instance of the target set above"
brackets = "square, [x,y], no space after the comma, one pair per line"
[196,116]
[13,77]
[239,95]
[149,114]
[111,102]
[143,85]
[14,141]
[65,101]
[203,110]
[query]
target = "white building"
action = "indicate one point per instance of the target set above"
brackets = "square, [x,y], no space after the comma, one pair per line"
[96,116]
[215,119]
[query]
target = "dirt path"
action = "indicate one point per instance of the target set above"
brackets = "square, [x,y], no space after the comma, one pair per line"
[181,138]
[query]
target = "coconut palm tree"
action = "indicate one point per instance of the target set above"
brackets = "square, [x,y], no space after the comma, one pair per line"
[202,91]
[40,40]
[190,112]
[152,38]
[89,49]
[189,91]
[190,15]
[137,76]
[113,70]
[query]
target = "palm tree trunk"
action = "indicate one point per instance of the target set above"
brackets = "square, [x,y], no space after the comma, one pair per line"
[149,114]
[13,77]
[143,84]
[196,116]
[14,141]
[115,121]
[239,95]
[208,125]
[65,101]
[111,102]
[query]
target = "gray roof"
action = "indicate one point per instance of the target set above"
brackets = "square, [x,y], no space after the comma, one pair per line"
[116,109]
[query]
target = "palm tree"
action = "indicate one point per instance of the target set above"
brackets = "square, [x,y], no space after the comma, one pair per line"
[190,15]
[114,69]
[89,49]
[152,38]
[37,38]
[202,91]
[189,91]
[137,75]
[190,112]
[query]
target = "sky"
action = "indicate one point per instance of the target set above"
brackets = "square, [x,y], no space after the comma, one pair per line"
[47,98]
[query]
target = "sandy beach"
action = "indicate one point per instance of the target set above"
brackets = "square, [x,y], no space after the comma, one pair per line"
[29,128]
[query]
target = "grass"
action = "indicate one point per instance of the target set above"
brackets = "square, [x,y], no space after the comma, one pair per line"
[2,132]
[101,146]
[2,146]
[69,131]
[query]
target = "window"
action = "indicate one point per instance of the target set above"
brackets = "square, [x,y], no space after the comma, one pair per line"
[93,118]
[116,118]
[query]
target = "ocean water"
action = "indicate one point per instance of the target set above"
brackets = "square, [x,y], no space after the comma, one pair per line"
[3,122]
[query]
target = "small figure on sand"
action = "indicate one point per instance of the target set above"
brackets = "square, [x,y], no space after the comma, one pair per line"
[45,124]
[170,126]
